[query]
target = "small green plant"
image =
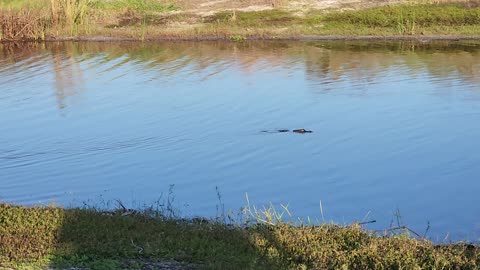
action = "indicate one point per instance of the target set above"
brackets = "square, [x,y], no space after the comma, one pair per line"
[70,13]
[238,38]
[406,25]
[143,27]
[424,15]
[135,5]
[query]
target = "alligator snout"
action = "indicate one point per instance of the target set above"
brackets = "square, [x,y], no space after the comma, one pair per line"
[302,131]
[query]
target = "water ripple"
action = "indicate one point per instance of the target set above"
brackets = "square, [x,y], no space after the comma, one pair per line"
[391,122]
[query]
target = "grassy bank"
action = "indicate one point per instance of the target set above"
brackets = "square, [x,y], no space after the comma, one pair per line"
[167,19]
[35,237]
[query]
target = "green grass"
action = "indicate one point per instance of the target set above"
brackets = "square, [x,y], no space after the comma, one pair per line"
[135,5]
[423,15]
[387,20]
[56,237]
[404,19]
[254,18]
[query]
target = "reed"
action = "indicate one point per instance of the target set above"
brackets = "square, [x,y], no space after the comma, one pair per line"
[27,22]
[70,13]
[55,11]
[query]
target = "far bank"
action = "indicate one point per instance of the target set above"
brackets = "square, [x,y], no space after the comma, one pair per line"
[123,20]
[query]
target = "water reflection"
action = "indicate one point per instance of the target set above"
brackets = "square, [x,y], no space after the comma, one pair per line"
[446,62]
[66,69]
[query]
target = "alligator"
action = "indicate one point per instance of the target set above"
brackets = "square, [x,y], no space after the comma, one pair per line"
[287,130]
[302,131]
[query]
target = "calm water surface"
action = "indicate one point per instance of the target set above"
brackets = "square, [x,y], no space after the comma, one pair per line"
[396,126]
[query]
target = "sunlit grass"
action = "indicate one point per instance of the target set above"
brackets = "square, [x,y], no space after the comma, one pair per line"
[405,19]
[136,5]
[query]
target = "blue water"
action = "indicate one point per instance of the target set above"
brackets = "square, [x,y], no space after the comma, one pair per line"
[395,128]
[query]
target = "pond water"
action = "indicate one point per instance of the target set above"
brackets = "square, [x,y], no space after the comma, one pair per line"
[395,128]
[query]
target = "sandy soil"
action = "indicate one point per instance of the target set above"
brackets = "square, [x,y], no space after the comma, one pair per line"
[209,7]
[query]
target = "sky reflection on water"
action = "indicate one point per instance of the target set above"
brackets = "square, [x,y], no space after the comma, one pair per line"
[395,126]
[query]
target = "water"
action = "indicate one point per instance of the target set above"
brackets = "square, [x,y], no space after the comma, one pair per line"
[395,127]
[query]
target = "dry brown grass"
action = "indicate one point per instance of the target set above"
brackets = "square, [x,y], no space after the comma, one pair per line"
[27,23]
[22,25]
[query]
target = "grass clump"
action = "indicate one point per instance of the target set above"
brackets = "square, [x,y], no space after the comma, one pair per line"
[70,13]
[28,234]
[21,25]
[134,5]
[238,38]
[273,17]
[407,17]
[57,237]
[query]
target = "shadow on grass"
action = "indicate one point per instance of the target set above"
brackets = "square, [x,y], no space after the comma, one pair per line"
[145,239]
[94,239]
